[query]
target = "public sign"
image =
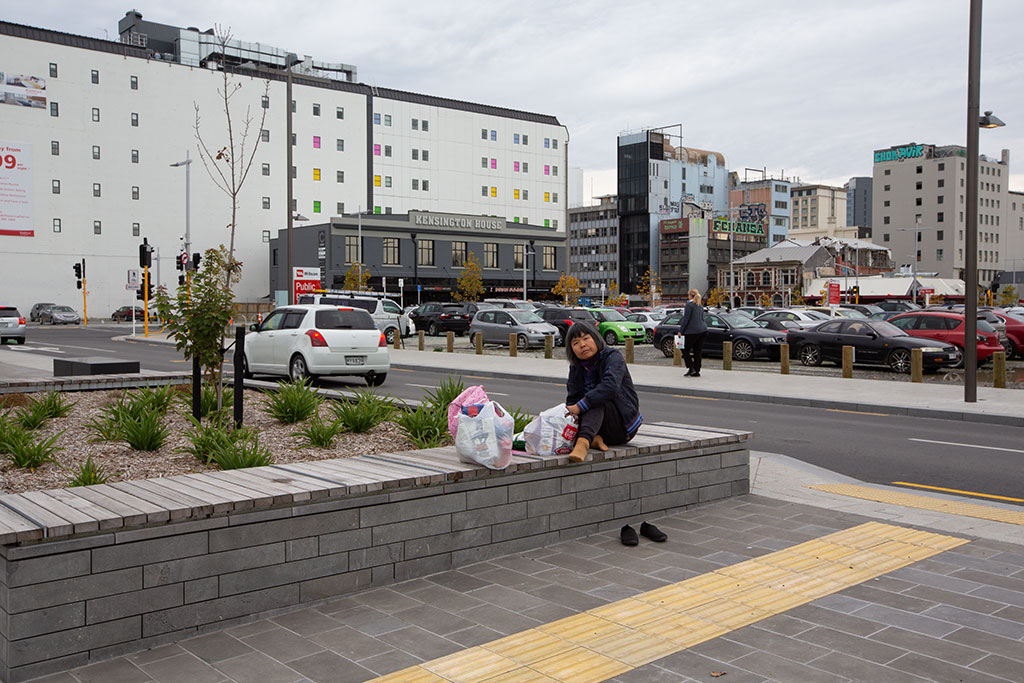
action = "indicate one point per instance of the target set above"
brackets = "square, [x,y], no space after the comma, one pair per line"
[16,217]
[133,277]
[927,290]
[305,281]
[722,224]
[833,293]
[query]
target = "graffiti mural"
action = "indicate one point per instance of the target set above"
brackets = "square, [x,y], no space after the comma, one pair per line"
[754,213]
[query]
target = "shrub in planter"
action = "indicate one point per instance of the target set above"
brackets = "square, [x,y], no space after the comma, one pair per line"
[293,402]
[89,474]
[366,412]
[319,434]
[427,426]
[25,449]
[244,450]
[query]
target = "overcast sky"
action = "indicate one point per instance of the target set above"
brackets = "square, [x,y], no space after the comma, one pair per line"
[805,87]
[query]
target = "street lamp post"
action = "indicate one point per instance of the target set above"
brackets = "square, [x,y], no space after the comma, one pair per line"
[415,264]
[290,60]
[917,229]
[359,246]
[187,163]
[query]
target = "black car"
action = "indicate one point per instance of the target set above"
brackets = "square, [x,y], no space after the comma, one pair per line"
[749,340]
[437,318]
[874,341]
[563,318]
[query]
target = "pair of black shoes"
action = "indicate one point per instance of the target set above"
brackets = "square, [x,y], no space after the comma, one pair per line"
[628,534]
[691,373]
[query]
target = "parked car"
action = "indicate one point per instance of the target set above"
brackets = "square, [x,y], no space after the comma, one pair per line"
[649,320]
[614,327]
[874,342]
[897,305]
[124,314]
[385,313]
[885,315]
[749,339]
[948,327]
[798,315]
[511,303]
[996,322]
[639,309]
[437,318]
[496,326]
[563,318]
[867,309]
[753,311]
[37,310]
[783,325]
[1014,328]
[307,340]
[12,325]
[838,312]
[60,315]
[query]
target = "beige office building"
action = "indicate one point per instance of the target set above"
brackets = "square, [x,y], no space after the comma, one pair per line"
[819,211]
[919,206]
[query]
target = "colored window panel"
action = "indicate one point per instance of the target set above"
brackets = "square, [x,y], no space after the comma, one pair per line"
[515,166]
[376,150]
[316,174]
[494,163]
[547,170]
[494,192]
[316,142]
[316,207]
[515,194]
[376,181]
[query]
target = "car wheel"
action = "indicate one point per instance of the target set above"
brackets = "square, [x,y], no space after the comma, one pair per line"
[609,338]
[390,336]
[246,373]
[742,350]
[899,360]
[20,340]
[297,370]
[522,343]
[668,346]
[649,337]
[375,380]
[432,329]
[1011,349]
[810,354]
[473,337]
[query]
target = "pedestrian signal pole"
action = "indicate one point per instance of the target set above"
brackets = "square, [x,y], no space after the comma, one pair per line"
[85,303]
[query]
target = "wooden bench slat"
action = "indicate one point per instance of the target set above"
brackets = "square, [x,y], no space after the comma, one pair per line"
[52,523]
[260,498]
[85,515]
[132,510]
[221,502]
[179,505]
[306,487]
[15,528]
[282,492]
[242,498]
[332,486]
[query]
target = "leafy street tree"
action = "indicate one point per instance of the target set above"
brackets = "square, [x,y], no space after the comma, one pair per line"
[357,278]
[766,299]
[716,297]
[568,287]
[1008,296]
[470,286]
[650,287]
[613,294]
[796,297]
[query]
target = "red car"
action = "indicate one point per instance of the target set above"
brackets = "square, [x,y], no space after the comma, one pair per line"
[948,327]
[1014,334]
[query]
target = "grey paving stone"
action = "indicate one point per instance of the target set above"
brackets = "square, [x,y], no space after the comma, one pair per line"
[328,667]
[946,597]
[1012,613]
[973,638]
[213,647]
[843,622]
[628,578]
[1012,557]
[252,629]
[1004,595]
[916,574]
[182,669]
[647,564]
[857,669]
[549,612]
[367,620]
[908,620]
[282,644]
[996,665]
[439,596]
[511,579]
[114,671]
[256,666]
[473,636]
[785,625]
[614,591]
[306,622]
[783,646]
[62,677]
[155,653]
[350,643]
[975,566]
[522,564]
[938,670]
[982,622]
[568,597]
[420,642]
[721,649]
[506,597]
[389,662]
[938,648]
[567,577]
[457,581]
[688,663]
[499,619]
[864,648]
[781,669]
[672,574]
[433,619]
[647,674]
[901,601]
[386,600]
[841,603]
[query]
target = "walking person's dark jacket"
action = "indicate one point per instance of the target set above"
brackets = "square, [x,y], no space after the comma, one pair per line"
[614,385]
[693,319]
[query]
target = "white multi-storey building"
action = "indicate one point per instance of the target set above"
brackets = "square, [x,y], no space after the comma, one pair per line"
[93,127]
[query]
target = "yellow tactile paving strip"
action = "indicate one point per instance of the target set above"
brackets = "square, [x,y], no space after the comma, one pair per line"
[615,638]
[913,500]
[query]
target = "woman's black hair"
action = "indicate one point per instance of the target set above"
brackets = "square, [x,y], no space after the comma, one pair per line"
[578,329]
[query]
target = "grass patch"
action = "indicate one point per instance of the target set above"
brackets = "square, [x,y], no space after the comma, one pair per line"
[244,450]
[89,474]
[145,432]
[293,402]
[427,427]
[25,449]
[319,434]
[367,411]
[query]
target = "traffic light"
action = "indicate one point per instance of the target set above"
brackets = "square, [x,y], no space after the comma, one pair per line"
[180,262]
[78,274]
[181,280]
[141,293]
[195,260]
[855,290]
[145,254]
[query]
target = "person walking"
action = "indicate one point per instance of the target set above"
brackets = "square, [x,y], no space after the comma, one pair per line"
[694,330]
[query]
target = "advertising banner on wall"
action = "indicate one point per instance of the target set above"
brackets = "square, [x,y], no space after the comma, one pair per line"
[22,90]
[16,189]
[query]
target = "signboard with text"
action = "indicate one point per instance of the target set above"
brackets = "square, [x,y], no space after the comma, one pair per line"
[833,293]
[722,224]
[305,281]
[16,189]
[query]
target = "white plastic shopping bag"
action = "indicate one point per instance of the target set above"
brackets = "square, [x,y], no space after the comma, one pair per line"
[484,435]
[680,340]
[552,432]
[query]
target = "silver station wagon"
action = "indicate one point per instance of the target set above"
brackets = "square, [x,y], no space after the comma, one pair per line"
[495,326]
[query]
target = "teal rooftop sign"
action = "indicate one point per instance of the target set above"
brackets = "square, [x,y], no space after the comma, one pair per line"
[899,153]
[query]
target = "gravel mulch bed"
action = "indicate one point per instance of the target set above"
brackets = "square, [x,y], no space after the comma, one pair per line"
[121,463]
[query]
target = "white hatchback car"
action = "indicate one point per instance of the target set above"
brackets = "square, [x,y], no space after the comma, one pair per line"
[307,340]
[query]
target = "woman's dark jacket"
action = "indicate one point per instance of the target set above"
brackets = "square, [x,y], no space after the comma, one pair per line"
[613,385]
[693,319]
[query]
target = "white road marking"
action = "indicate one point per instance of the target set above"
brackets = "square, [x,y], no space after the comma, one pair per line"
[421,386]
[970,445]
[48,349]
[88,348]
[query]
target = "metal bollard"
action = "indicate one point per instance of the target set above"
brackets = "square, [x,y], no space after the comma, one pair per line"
[450,342]
[677,357]
[847,362]
[916,365]
[629,350]
[727,355]
[784,358]
[549,346]
[420,339]
[239,382]
[398,340]
[478,339]
[999,369]
[512,347]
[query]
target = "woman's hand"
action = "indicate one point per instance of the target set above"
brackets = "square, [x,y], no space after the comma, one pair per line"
[573,410]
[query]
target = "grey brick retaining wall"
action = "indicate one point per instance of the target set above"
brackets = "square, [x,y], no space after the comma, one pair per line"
[68,601]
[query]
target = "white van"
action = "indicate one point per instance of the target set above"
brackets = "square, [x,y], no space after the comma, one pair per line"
[386,314]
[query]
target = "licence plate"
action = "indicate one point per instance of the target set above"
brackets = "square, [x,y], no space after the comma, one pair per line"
[952,356]
[355,360]
[4,324]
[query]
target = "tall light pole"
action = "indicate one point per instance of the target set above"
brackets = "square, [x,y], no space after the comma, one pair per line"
[917,229]
[359,246]
[288,170]
[187,163]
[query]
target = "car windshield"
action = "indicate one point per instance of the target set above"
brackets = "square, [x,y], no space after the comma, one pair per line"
[817,315]
[525,305]
[655,315]
[738,320]
[8,312]
[454,308]
[484,306]
[887,329]
[984,326]
[341,319]
[611,316]
[525,316]
[62,309]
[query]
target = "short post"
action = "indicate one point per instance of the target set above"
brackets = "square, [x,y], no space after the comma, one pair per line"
[197,387]
[238,384]
[450,341]
[847,362]
[916,365]
[784,358]
[512,347]
[727,355]
[549,346]
[398,340]
[629,350]
[999,369]
[419,336]
[677,356]
[478,340]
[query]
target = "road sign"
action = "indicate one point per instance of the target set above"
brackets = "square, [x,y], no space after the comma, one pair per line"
[833,293]
[927,290]
[401,283]
[131,286]
[133,277]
